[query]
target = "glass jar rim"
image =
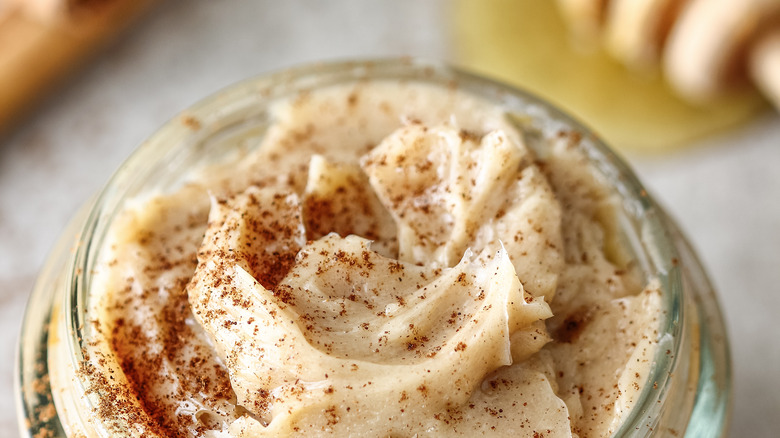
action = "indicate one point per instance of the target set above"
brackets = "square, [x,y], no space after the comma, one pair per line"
[219,110]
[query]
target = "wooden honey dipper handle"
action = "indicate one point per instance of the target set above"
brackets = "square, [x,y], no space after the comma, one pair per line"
[43,40]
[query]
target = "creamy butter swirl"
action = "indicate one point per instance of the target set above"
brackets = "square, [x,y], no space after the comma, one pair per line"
[378,344]
[392,260]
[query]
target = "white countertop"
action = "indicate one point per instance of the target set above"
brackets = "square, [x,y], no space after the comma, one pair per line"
[725,192]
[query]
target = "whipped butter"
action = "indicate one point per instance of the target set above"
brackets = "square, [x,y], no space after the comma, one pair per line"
[393,259]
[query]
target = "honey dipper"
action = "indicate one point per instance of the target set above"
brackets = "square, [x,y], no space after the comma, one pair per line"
[704,47]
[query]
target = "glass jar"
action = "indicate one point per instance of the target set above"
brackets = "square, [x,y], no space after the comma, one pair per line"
[688,389]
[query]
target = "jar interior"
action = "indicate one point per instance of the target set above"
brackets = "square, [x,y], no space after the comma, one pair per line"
[231,123]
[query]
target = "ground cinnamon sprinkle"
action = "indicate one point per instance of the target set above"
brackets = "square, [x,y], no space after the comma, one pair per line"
[249,296]
[142,353]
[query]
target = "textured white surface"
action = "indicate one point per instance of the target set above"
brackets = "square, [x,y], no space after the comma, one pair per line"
[725,192]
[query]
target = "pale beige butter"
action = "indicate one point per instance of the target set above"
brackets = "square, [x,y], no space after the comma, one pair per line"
[467,287]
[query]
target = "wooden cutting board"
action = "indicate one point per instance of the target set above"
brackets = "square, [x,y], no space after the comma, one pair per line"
[41,41]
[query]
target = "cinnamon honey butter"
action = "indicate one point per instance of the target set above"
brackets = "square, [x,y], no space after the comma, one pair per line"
[393,258]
